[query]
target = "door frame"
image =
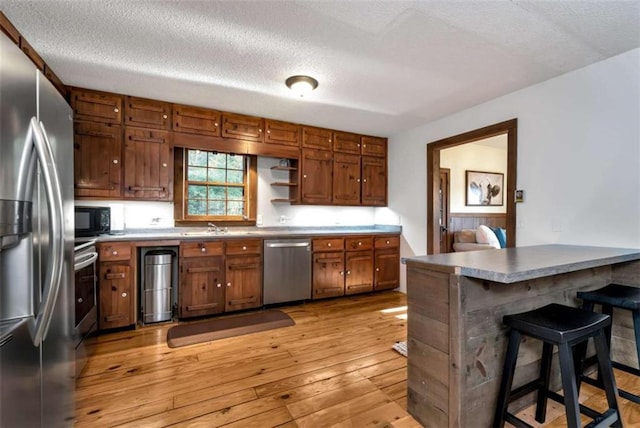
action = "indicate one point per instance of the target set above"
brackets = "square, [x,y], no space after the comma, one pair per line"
[509,127]
[446,197]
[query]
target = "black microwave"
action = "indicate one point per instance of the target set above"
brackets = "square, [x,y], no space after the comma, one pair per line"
[92,221]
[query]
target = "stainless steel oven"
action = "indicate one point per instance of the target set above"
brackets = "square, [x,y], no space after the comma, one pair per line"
[86,311]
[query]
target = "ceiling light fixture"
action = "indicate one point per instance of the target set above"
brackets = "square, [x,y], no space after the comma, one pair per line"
[301,85]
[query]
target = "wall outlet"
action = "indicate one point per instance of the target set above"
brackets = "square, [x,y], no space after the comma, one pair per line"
[259,220]
[283,219]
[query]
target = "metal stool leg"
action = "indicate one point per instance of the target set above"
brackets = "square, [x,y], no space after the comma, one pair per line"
[569,386]
[507,378]
[545,374]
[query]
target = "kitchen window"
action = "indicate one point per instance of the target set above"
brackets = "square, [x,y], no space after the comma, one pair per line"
[216,186]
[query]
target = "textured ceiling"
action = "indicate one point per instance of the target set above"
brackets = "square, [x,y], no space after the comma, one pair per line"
[383,66]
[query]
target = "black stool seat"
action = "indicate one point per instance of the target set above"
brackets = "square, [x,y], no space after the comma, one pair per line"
[612,296]
[620,296]
[557,323]
[566,328]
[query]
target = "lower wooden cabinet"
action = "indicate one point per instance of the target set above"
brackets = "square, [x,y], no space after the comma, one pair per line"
[244,282]
[202,287]
[115,295]
[387,263]
[328,274]
[359,274]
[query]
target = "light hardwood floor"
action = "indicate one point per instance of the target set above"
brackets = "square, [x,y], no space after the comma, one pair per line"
[335,367]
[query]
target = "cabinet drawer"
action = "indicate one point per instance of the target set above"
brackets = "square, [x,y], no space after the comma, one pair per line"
[114,251]
[245,246]
[325,244]
[387,242]
[201,248]
[362,243]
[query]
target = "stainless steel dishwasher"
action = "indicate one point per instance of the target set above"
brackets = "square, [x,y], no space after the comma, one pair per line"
[287,270]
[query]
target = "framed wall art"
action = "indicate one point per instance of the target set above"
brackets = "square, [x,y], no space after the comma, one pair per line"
[484,188]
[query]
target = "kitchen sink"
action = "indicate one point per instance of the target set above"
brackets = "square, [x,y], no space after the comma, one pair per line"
[222,234]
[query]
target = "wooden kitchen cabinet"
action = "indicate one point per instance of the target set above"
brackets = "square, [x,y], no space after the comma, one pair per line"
[97,160]
[316,177]
[147,113]
[202,278]
[373,146]
[283,133]
[243,274]
[317,138]
[327,274]
[374,181]
[194,120]
[241,127]
[346,179]
[115,286]
[359,265]
[346,142]
[148,164]
[387,263]
[95,106]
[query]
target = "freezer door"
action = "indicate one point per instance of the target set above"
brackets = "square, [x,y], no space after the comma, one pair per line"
[58,351]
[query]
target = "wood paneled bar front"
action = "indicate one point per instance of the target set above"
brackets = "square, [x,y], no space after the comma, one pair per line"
[456,338]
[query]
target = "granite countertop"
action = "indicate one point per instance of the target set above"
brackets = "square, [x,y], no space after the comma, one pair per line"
[189,233]
[510,265]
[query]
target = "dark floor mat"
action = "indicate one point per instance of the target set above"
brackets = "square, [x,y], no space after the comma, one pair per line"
[219,328]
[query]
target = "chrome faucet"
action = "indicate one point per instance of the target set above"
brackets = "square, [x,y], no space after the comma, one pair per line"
[213,228]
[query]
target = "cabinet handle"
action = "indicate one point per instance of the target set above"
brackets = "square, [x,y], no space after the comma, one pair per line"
[358,180]
[218,285]
[116,110]
[215,124]
[341,272]
[259,129]
[80,300]
[115,161]
[329,139]
[203,249]
[268,131]
[358,144]
[114,253]
[364,180]
[364,146]
[228,284]
[359,243]
[388,242]
[304,176]
[348,272]
[164,165]
[124,294]
[329,244]
[244,248]
[377,269]
[164,116]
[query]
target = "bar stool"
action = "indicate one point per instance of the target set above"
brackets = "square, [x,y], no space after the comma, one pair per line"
[564,327]
[613,296]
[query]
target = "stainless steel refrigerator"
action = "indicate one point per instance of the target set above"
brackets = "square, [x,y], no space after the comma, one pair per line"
[36,247]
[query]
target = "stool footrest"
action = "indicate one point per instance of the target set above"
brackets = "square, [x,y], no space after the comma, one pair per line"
[525,389]
[606,420]
[516,421]
[625,368]
[588,411]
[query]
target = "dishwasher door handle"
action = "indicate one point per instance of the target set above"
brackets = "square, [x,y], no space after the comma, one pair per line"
[287,244]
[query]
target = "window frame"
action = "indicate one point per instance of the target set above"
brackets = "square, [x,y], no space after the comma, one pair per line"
[181,216]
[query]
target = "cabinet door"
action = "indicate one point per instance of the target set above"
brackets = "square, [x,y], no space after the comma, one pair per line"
[374,146]
[115,296]
[316,138]
[147,113]
[346,179]
[201,286]
[96,106]
[283,133]
[195,120]
[97,158]
[148,164]
[316,177]
[240,127]
[387,269]
[374,181]
[328,275]
[244,282]
[346,142]
[359,278]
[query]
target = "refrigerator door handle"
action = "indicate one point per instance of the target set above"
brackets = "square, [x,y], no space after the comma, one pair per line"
[53,276]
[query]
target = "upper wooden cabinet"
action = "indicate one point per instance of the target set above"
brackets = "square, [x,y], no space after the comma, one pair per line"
[346,142]
[346,179]
[316,177]
[374,181]
[96,106]
[241,127]
[147,113]
[148,164]
[374,146]
[316,138]
[97,160]
[196,120]
[283,133]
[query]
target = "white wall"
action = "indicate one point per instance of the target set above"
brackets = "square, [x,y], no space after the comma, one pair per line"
[578,158]
[473,157]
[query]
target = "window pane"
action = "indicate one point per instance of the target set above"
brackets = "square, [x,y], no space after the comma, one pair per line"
[235,193]
[235,208]
[235,162]
[198,158]
[197,192]
[197,207]
[196,174]
[235,176]
[217,175]
[217,160]
[216,208]
[217,192]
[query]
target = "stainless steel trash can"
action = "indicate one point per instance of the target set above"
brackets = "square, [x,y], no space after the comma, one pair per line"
[157,286]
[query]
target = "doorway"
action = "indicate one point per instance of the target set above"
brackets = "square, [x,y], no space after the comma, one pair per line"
[443,199]
[436,236]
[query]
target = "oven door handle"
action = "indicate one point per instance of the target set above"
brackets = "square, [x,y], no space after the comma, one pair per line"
[85,260]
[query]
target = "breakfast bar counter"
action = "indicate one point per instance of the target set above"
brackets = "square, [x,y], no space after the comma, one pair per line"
[456,338]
